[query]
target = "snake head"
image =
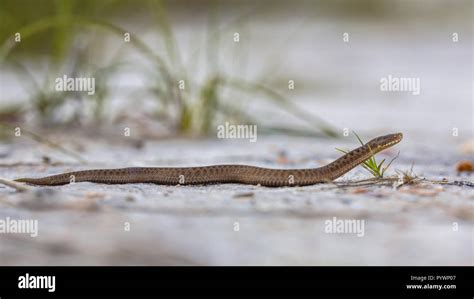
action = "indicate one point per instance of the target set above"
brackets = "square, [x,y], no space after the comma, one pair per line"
[380,143]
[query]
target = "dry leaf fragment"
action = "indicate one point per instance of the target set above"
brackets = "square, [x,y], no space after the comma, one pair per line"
[465,166]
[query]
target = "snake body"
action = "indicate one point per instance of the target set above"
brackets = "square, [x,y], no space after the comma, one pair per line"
[221,174]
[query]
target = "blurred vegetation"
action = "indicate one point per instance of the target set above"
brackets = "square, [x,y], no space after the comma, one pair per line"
[55,31]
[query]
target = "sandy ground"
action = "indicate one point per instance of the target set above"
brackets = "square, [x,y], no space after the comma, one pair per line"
[145,224]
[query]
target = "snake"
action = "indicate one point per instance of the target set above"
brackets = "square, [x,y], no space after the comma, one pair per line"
[225,174]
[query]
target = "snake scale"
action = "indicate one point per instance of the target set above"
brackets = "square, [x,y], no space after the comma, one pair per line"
[221,174]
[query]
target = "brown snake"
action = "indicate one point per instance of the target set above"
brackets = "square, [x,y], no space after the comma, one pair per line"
[221,174]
